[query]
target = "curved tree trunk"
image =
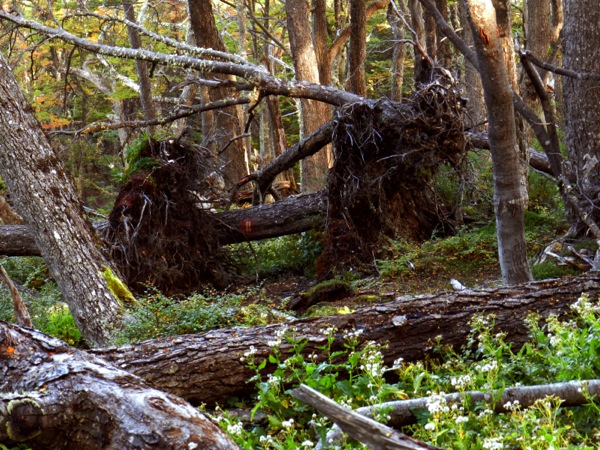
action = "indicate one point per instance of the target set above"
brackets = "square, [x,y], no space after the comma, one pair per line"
[46,200]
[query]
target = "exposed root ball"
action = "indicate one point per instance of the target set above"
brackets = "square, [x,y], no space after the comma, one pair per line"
[157,234]
[386,155]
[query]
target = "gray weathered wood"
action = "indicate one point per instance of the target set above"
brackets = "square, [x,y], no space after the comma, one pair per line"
[371,433]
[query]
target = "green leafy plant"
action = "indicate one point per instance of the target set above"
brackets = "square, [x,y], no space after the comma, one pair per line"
[356,375]
[156,315]
[287,254]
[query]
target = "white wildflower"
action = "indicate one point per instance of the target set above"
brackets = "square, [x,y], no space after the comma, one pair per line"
[494,443]
[461,382]
[234,429]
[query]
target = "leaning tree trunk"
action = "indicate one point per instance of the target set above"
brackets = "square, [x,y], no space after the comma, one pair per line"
[192,366]
[510,196]
[44,196]
[53,396]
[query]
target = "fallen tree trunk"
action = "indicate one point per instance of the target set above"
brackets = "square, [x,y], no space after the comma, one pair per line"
[53,396]
[289,216]
[193,366]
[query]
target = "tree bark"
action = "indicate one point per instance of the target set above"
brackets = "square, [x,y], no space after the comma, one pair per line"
[510,197]
[233,153]
[192,366]
[399,53]
[357,51]
[476,116]
[582,100]
[313,114]
[290,216]
[56,397]
[141,67]
[364,429]
[45,198]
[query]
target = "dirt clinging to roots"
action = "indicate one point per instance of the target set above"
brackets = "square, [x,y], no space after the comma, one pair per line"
[157,235]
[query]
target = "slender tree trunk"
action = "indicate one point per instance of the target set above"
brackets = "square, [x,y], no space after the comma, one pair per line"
[357,52]
[510,198]
[537,16]
[227,122]
[476,117]
[46,200]
[444,51]
[319,22]
[148,108]
[503,19]
[393,18]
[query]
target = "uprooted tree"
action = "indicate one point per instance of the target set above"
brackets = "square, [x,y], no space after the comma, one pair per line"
[384,166]
[385,156]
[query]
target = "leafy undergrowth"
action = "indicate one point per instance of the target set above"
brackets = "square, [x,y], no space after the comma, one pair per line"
[280,270]
[357,376]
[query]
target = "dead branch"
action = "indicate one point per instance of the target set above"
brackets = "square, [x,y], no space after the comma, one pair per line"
[572,393]
[364,429]
[20,310]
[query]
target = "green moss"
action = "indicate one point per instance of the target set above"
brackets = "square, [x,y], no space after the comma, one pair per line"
[117,288]
[367,298]
[323,310]
[328,290]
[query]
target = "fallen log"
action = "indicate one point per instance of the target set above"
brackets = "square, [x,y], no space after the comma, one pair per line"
[289,216]
[53,396]
[192,366]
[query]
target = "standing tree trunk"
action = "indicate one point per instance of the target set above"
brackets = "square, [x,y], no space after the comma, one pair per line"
[46,200]
[357,52]
[476,116]
[228,121]
[313,113]
[510,197]
[393,18]
[141,67]
[582,100]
